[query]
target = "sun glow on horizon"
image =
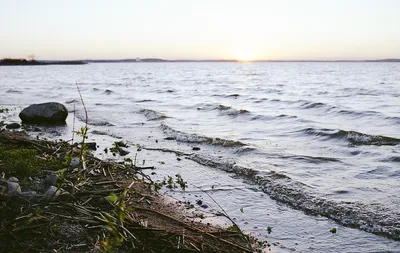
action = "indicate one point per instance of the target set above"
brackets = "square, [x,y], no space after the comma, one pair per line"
[245,57]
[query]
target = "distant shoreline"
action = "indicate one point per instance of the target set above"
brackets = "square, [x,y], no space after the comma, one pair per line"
[23,62]
[164,60]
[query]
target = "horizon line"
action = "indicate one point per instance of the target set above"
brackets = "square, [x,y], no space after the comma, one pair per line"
[154,59]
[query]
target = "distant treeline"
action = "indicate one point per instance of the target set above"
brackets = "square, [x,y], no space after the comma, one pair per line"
[17,62]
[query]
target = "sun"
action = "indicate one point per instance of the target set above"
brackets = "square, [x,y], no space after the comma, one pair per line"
[245,56]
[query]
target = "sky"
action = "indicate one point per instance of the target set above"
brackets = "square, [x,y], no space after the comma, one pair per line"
[200,29]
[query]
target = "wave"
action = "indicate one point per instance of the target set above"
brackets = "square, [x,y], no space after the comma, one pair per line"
[97,132]
[355,138]
[228,110]
[233,95]
[359,113]
[269,118]
[144,100]
[262,118]
[313,105]
[14,91]
[312,159]
[371,218]
[108,92]
[194,138]
[93,122]
[72,101]
[391,159]
[223,109]
[152,115]
[96,122]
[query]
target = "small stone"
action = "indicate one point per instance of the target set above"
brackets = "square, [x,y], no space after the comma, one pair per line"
[122,144]
[13,126]
[91,145]
[75,162]
[14,188]
[51,179]
[123,152]
[196,148]
[51,194]
[204,206]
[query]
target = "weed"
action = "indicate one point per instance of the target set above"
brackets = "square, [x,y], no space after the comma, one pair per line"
[4,109]
[18,162]
[234,228]
[179,180]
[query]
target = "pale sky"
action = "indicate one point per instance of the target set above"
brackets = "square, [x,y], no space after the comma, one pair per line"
[200,29]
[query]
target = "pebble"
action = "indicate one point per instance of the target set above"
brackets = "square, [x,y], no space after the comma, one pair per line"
[123,152]
[75,162]
[122,144]
[51,194]
[13,126]
[91,145]
[14,188]
[196,148]
[13,179]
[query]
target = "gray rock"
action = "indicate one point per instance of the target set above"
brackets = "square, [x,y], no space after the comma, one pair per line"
[13,126]
[51,194]
[14,188]
[51,179]
[46,113]
[123,152]
[75,161]
[13,179]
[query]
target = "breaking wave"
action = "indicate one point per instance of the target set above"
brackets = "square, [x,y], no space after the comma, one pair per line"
[228,110]
[194,138]
[152,115]
[108,92]
[355,138]
[371,218]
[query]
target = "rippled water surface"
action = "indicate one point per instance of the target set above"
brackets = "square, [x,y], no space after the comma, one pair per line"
[281,140]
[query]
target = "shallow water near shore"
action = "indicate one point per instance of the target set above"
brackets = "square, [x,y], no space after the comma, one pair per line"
[276,139]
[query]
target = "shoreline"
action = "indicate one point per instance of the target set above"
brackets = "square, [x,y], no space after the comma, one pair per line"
[24,62]
[92,209]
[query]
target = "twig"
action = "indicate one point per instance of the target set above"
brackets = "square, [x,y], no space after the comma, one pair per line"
[194,228]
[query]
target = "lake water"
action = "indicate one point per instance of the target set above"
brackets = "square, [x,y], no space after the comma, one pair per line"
[301,147]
